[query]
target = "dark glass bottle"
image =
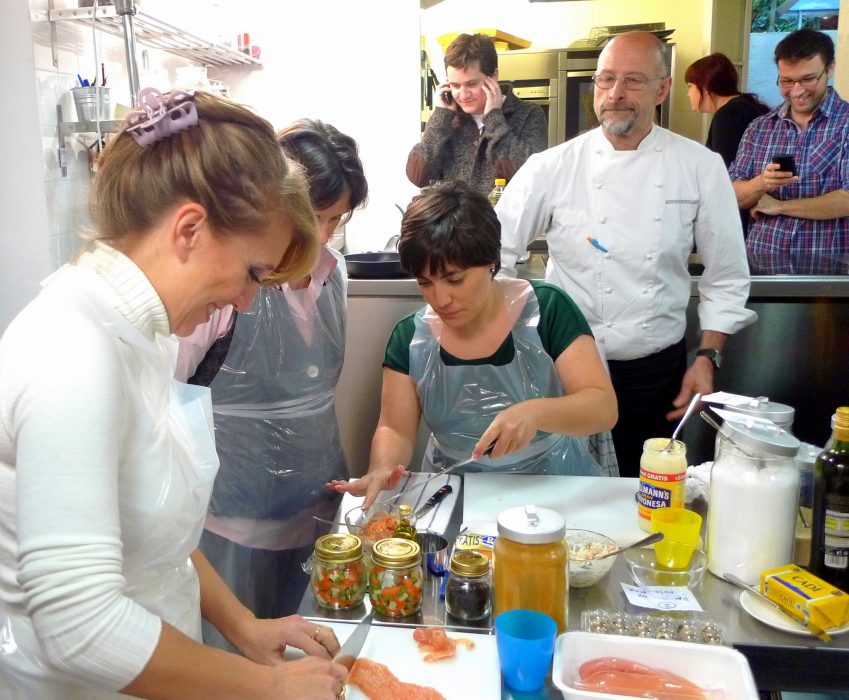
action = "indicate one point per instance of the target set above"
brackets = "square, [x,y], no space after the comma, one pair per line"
[830,527]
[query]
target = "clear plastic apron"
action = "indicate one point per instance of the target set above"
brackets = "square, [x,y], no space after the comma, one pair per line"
[162,496]
[459,402]
[275,416]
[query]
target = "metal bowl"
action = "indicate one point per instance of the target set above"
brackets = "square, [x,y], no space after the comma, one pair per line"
[435,552]
[588,572]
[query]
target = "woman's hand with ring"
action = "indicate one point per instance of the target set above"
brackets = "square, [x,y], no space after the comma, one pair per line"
[268,639]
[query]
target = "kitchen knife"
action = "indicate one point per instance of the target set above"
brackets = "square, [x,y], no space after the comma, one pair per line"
[350,650]
[445,470]
[428,505]
[813,629]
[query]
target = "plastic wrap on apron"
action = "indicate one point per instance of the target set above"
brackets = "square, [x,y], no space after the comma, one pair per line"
[162,498]
[459,402]
[275,416]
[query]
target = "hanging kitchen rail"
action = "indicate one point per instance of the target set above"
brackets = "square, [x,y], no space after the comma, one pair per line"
[125,21]
[157,34]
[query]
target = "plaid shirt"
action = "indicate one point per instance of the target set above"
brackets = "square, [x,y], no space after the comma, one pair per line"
[822,162]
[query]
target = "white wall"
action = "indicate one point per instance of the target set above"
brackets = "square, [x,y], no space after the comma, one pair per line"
[24,255]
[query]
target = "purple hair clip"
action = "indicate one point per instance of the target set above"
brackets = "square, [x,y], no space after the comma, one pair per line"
[158,116]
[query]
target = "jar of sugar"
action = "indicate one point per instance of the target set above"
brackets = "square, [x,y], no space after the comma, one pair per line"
[754,494]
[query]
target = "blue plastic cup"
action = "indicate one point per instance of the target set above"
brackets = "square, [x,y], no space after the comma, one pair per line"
[525,641]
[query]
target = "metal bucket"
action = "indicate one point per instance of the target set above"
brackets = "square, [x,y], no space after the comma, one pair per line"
[87,100]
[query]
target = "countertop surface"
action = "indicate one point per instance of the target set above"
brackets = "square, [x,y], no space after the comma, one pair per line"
[779,660]
[763,286]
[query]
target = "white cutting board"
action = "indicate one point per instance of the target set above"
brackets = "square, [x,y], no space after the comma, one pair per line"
[611,510]
[471,674]
[436,520]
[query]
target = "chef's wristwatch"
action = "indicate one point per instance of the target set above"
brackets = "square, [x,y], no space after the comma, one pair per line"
[714,355]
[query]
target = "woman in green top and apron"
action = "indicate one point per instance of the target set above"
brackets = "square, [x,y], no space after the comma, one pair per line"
[489,360]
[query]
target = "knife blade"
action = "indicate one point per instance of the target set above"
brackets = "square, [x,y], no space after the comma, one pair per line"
[813,629]
[350,650]
[437,496]
[445,470]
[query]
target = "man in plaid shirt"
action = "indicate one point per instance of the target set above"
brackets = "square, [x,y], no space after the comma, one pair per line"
[801,218]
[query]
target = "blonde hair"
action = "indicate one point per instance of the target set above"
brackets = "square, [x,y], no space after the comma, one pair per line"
[230,163]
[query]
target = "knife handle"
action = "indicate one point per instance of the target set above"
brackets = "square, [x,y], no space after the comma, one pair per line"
[439,494]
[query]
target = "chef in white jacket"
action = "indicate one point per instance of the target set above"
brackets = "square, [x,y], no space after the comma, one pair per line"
[622,207]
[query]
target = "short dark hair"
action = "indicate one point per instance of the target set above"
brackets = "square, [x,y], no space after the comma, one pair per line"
[330,159]
[804,44]
[467,49]
[449,223]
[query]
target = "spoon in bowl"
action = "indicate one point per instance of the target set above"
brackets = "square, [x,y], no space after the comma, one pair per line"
[651,539]
[681,422]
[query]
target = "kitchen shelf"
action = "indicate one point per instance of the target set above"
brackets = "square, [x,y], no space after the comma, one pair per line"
[157,34]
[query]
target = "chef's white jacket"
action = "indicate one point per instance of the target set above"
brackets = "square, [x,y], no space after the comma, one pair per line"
[646,207]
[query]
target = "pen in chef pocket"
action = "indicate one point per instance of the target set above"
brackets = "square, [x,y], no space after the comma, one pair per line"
[595,244]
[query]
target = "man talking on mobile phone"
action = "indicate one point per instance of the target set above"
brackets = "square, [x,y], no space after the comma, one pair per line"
[479,129]
[801,218]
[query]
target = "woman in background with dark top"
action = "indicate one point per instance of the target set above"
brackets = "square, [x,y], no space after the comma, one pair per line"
[712,86]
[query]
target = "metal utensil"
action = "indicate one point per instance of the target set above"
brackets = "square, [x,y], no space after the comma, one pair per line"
[334,522]
[651,539]
[707,418]
[350,650]
[813,629]
[436,475]
[438,495]
[696,397]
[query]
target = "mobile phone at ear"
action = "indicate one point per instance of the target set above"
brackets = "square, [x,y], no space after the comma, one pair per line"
[448,97]
[785,163]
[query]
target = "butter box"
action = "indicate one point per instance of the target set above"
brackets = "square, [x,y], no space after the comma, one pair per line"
[807,598]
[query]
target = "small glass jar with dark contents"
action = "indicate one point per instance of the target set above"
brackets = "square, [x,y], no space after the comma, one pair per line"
[469,586]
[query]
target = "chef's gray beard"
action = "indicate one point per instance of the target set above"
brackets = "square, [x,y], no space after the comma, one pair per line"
[618,127]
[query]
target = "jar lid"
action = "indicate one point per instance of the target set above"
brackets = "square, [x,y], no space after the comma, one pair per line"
[468,562]
[762,407]
[531,525]
[340,548]
[753,435]
[396,553]
[405,510]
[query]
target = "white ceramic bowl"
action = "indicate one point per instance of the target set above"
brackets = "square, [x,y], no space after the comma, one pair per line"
[584,573]
[644,569]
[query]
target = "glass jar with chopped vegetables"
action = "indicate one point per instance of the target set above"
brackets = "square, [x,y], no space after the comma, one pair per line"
[395,577]
[338,576]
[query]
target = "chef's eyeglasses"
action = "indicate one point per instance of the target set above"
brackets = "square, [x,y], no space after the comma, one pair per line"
[634,83]
[808,81]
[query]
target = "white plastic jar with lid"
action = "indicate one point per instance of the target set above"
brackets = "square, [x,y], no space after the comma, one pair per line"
[754,494]
[531,563]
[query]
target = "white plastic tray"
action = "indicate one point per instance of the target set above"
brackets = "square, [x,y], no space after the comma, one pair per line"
[711,667]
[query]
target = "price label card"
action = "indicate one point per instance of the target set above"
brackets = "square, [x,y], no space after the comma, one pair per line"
[664,598]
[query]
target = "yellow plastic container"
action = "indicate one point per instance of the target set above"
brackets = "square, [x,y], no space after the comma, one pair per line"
[806,597]
[680,528]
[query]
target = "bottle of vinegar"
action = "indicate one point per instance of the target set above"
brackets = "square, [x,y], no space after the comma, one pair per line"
[830,527]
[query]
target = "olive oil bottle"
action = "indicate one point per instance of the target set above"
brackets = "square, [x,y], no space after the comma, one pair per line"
[406,527]
[830,526]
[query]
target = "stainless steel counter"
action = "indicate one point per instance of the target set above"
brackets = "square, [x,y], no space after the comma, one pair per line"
[779,660]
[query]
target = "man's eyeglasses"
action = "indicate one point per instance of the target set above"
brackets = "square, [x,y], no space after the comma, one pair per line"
[806,82]
[634,83]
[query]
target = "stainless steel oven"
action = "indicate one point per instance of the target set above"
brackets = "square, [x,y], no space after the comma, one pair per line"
[560,81]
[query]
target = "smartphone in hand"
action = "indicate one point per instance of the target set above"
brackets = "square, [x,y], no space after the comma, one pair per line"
[785,162]
[448,97]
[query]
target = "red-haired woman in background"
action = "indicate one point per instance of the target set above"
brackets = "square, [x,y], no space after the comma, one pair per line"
[712,86]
